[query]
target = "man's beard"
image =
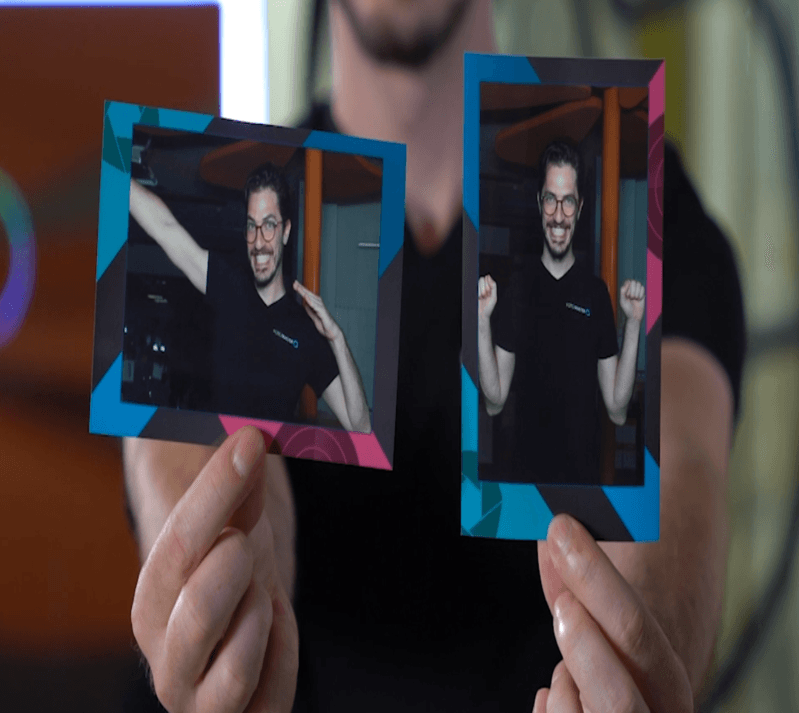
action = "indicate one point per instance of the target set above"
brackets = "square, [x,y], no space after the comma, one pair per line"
[262,282]
[560,253]
[386,46]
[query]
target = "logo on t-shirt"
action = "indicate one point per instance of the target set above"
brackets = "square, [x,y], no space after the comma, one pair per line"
[582,310]
[294,343]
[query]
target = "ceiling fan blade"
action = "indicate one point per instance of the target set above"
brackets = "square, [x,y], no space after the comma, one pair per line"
[631,97]
[347,178]
[229,166]
[496,96]
[524,142]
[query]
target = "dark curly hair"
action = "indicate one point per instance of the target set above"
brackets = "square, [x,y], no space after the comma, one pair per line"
[561,153]
[270,176]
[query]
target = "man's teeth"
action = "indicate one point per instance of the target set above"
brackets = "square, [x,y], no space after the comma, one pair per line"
[261,259]
[558,232]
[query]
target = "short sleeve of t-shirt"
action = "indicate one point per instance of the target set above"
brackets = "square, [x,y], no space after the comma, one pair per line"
[325,368]
[702,299]
[608,343]
[229,292]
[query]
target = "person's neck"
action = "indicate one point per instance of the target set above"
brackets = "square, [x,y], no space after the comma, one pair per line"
[273,291]
[420,108]
[558,268]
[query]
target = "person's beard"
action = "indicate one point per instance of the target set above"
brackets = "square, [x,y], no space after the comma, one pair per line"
[277,258]
[386,46]
[558,253]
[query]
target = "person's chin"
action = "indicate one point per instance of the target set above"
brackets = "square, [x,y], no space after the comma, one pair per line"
[558,250]
[263,279]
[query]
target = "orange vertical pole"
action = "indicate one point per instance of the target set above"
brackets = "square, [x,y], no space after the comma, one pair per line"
[609,243]
[313,220]
[312,249]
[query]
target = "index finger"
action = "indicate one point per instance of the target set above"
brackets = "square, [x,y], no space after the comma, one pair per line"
[197,520]
[615,606]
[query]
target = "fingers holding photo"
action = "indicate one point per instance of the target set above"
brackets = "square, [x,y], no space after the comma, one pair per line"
[203,612]
[614,648]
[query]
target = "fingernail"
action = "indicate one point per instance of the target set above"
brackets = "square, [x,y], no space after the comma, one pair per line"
[562,606]
[247,453]
[562,534]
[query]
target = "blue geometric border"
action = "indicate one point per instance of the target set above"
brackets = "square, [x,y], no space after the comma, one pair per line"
[521,511]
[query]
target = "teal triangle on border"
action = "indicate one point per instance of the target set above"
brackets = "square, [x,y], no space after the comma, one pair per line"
[109,415]
[487,527]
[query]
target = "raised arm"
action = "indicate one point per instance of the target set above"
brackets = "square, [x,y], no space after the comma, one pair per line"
[345,395]
[152,214]
[617,374]
[495,365]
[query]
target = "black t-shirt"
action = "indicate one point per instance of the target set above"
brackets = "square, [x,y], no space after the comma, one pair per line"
[263,355]
[558,329]
[396,610]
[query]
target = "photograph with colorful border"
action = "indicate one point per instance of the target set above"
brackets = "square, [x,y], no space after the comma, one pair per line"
[188,279]
[519,113]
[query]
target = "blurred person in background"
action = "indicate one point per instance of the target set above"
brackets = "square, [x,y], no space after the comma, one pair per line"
[268,584]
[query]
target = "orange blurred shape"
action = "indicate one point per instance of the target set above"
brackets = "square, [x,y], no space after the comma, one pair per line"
[69,564]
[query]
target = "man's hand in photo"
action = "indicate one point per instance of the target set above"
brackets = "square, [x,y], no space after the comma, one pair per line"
[631,299]
[211,614]
[486,297]
[315,307]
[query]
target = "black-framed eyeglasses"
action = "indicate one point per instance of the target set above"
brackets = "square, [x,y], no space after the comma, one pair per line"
[268,229]
[567,203]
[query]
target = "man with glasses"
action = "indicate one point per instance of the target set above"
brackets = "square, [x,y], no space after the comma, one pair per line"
[266,347]
[558,320]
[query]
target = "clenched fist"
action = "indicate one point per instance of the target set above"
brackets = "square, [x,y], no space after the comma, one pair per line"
[210,612]
[631,299]
[486,297]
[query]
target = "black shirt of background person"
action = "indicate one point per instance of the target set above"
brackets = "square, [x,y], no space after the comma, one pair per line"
[262,355]
[397,610]
[558,330]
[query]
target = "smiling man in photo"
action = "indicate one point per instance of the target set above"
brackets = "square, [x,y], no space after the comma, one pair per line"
[266,347]
[555,333]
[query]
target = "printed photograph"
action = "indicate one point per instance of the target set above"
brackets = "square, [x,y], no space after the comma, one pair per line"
[235,302]
[248,274]
[562,295]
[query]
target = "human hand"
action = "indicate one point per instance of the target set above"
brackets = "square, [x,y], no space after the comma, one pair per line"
[616,656]
[317,311]
[486,297]
[210,612]
[631,299]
